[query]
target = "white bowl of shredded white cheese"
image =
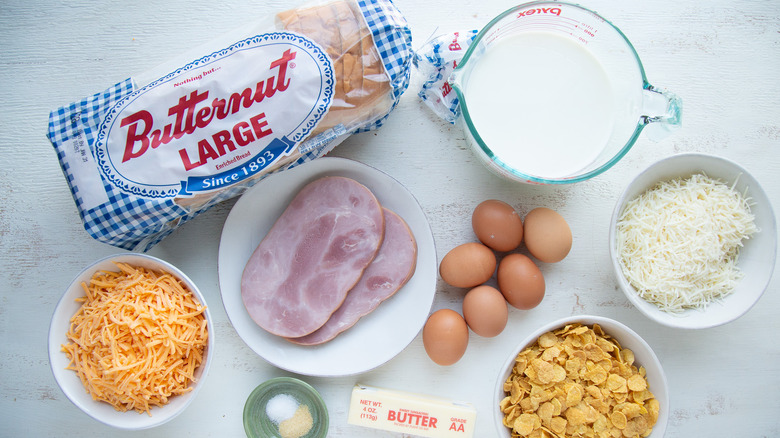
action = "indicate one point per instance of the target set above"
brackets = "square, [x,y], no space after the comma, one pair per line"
[693,241]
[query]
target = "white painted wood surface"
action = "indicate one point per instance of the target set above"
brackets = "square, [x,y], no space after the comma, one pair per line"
[722,57]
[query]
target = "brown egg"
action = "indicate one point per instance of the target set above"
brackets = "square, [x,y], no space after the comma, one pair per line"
[497,225]
[485,311]
[520,281]
[547,235]
[468,265]
[445,337]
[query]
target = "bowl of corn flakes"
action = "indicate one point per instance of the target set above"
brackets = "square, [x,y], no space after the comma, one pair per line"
[582,376]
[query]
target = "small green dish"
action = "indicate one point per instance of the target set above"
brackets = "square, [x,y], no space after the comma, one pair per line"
[258,424]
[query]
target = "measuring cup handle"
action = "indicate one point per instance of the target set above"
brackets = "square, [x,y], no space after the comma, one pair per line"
[662,112]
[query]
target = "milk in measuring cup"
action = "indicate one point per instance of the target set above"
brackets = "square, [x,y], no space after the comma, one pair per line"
[542,103]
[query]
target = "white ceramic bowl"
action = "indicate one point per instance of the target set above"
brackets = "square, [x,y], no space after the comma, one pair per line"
[643,356]
[756,259]
[70,383]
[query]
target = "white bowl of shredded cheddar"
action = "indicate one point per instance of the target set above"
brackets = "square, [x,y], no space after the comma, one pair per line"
[582,375]
[129,341]
[693,241]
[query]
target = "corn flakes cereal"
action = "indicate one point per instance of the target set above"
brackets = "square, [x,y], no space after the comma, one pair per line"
[637,383]
[578,381]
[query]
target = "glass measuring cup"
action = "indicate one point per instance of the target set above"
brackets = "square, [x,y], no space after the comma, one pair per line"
[553,93]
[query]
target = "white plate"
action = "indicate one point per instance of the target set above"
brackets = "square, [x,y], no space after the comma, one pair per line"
[378,336]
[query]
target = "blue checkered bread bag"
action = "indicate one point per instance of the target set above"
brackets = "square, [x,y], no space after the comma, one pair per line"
[155,150]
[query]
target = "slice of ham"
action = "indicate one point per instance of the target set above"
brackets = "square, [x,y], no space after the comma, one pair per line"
[393,266]
[312,256]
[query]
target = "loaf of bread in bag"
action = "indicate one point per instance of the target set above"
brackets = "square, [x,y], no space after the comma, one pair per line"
[363,91]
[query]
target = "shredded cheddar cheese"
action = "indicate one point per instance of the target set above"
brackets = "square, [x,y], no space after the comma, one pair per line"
[678,243]
[137,339]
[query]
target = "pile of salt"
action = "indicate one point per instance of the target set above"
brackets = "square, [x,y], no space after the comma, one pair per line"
[281,407]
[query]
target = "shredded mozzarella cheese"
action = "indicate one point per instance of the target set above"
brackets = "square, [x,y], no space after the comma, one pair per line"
[137,339]
[678,243]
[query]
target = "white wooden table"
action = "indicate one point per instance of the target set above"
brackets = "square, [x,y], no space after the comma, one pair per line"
[722,57]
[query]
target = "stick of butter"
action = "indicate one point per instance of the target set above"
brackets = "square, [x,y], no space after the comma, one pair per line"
[409,413]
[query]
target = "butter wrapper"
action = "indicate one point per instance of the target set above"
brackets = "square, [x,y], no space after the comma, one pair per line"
[410,413]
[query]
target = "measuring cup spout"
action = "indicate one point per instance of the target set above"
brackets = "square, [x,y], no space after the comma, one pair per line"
[662,112]
[455,79]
